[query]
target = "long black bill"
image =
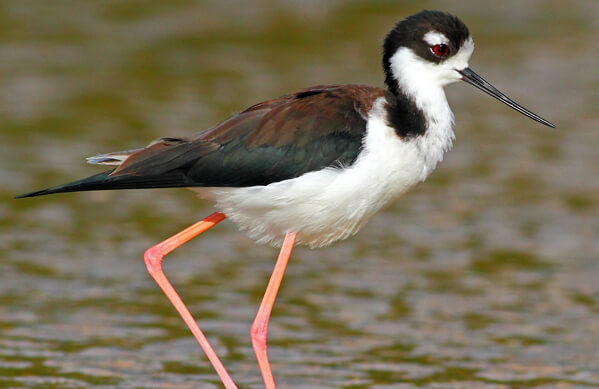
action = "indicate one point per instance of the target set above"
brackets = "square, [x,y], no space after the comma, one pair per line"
[477,81]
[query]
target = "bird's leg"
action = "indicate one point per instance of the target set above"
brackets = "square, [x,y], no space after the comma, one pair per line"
[153,259]
[259,331]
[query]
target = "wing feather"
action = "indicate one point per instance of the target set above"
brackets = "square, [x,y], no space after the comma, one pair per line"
[271,141]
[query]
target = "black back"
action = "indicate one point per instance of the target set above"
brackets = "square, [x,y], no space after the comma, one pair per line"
[271,141]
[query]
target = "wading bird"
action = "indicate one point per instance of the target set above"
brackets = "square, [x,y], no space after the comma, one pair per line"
[311,167]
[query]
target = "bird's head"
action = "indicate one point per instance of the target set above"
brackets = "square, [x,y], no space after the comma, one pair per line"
[431,49]
[430,45]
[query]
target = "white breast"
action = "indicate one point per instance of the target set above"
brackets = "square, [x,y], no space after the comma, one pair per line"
[334,203]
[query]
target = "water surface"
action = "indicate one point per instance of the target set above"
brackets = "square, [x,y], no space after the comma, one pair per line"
[483,277]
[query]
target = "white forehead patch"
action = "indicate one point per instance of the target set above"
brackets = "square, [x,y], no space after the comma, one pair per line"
[435,38]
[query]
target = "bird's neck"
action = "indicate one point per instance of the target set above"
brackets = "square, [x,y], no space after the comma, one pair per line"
[417,109]
[420,107]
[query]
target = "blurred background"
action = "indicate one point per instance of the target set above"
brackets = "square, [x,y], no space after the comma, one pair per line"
[485,276]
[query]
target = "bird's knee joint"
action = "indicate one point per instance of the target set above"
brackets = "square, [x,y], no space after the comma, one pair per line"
[153,259]
[258,334]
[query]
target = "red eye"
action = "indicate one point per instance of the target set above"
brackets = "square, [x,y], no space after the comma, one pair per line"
[441,50]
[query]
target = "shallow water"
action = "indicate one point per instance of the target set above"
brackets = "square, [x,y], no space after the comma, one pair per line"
[483,277]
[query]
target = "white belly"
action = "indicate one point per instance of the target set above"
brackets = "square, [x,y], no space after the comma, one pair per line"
[333,203]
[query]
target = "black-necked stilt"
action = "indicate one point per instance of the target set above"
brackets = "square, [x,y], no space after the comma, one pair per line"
[310,167]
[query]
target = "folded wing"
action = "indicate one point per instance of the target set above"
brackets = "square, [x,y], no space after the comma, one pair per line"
[269,142]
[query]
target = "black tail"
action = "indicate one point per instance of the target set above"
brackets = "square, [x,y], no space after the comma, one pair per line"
[103,181]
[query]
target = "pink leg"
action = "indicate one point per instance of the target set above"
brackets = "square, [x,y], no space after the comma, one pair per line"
[153,258]
[259,331]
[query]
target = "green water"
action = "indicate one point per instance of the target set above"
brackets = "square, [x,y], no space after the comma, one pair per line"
[485,276]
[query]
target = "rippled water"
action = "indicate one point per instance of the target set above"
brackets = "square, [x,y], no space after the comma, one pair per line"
[483,277]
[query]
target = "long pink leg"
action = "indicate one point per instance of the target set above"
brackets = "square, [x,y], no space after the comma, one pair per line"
[259,331]
[153,259]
